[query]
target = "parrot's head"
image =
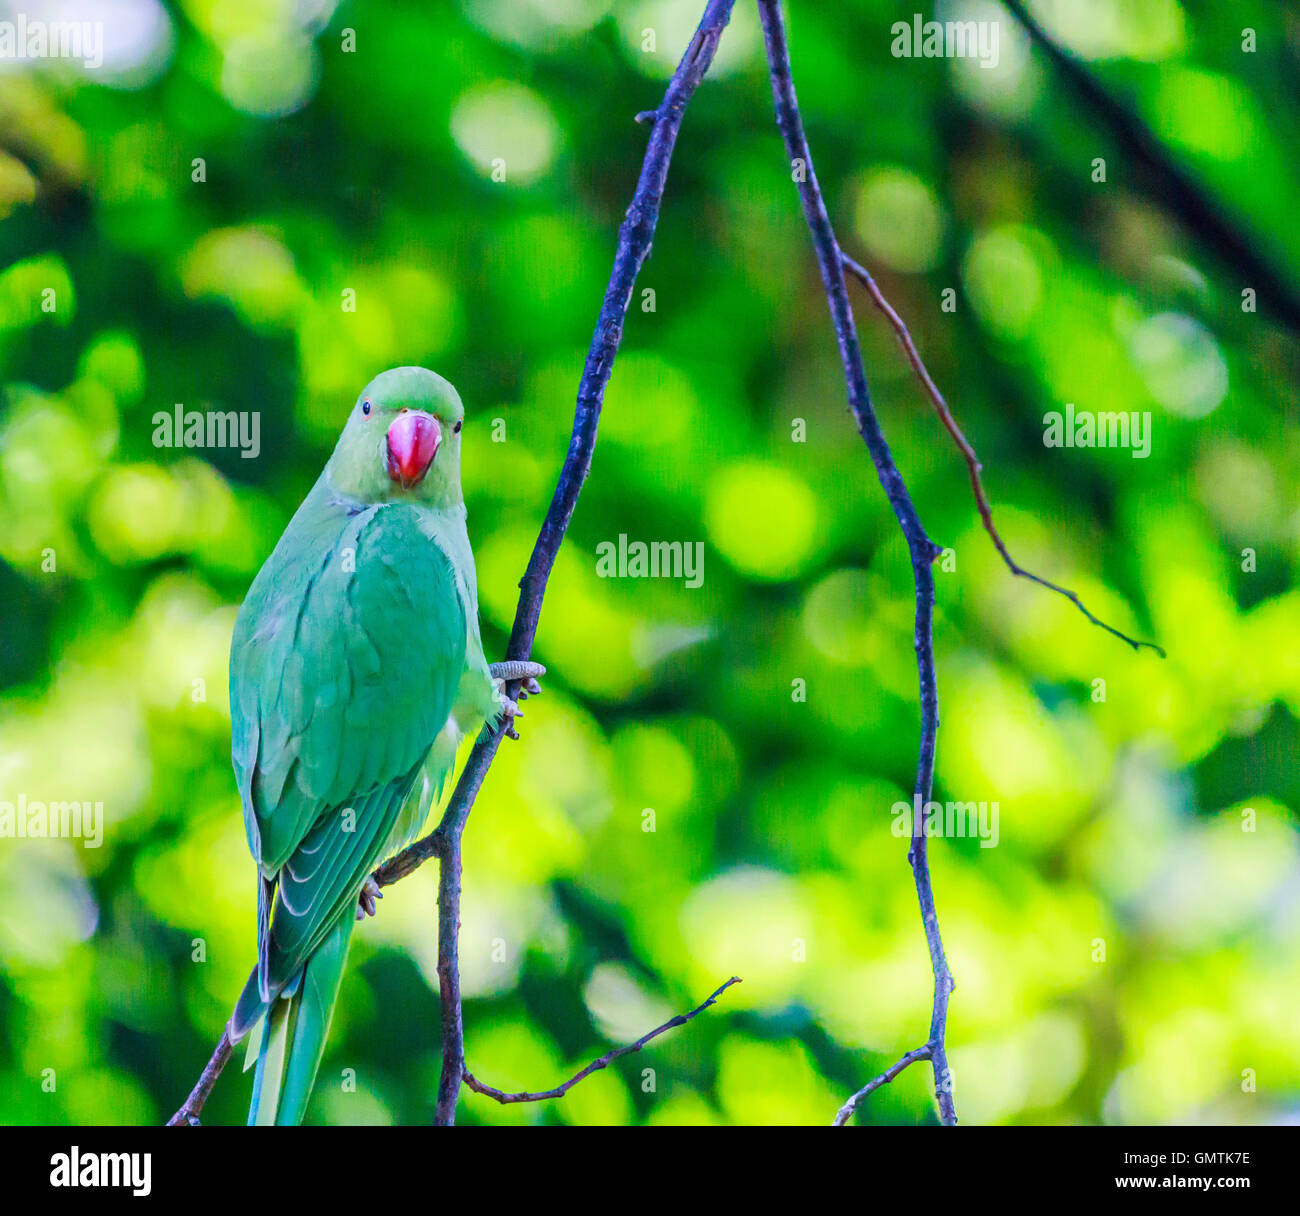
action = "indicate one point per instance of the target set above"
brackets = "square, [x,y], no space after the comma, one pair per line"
[402,441]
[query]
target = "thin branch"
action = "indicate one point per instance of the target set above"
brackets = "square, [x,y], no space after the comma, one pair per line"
[596,1065]
[445,840]
[188,1115]
[922,549]
[846,1111]
[973,465]
[634,240]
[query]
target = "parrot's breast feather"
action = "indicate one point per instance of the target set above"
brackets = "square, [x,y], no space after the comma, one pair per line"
[345,661]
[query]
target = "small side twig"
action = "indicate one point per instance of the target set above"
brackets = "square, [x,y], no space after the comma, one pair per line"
[596,1065]
[973,465]
[846,1111]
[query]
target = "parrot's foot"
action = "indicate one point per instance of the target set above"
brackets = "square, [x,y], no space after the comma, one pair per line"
[512,671]
[366,901]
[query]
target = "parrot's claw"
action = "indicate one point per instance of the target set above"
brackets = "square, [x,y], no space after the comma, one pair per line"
[366,901]
[515,671]
[509,709]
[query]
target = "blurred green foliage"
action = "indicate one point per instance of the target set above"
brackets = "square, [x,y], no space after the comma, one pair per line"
[200,205]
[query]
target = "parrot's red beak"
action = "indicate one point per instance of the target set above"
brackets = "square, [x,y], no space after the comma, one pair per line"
[413,440]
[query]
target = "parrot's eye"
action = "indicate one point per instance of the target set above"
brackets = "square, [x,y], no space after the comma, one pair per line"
[456,428]
[365,406]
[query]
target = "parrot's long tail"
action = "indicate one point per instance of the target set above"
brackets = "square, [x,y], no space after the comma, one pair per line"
[292,1034]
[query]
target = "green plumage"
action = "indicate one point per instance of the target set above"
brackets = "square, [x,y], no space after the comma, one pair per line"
[355,669]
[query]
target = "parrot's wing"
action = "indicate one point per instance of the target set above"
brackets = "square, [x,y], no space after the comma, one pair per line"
[345,662]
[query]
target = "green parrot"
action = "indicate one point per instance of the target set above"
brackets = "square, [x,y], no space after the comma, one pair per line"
[355,670]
